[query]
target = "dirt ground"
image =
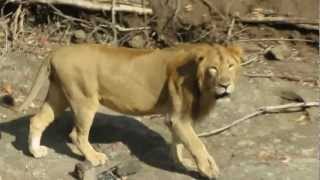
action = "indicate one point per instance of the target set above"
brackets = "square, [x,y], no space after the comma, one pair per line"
[278,146]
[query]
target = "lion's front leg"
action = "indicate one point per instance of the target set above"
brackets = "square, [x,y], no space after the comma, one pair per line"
[181,127]
[176,151]
[205,163]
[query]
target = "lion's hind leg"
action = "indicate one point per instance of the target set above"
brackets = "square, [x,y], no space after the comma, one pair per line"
[54,105]
[84,110]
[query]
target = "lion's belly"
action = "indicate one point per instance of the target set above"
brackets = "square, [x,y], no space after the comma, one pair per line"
[129,100]
[132,89]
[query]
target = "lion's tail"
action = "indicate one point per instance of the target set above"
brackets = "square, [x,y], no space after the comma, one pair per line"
[41,76]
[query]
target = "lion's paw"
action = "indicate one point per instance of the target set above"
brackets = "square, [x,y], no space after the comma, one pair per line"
[98,159]
[209,168]
[39,152]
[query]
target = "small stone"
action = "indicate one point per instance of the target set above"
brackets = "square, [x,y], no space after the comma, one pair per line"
[128,168]
[85,171]
[285,159]
[7,88]
[245,143]
[265,155]
[277,141]
[279,52]
[308,152]
[188,7]
[79,36]
[3,116]
[137,41]
[8,100]
[33,105]
[107,175]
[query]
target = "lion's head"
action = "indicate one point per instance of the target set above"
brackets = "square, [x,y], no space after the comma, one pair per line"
[215,71]
[218,68]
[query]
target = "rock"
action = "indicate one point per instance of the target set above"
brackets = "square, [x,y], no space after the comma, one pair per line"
[137,41]
[128,168]
[79,36]
[279,52]
[8,100]
[107,175]
[85,171]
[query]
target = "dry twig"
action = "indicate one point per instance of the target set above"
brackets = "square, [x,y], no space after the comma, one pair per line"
[213,9]
[94,5]
[251,60]
[113,16]
[14,25]
[275,39]
[309,24]
[4,26]
[229,34]
[285,77]
[104,23]
[264,110]
[280,20]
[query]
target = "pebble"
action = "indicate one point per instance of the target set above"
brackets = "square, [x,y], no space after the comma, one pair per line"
[84,171]
[277,141]
[308,152]
[244,143]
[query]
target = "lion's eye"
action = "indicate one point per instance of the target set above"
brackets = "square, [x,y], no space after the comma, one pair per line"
[201,58]
[212,71]
[231,66]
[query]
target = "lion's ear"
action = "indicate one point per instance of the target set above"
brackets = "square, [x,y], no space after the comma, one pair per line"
[236,50]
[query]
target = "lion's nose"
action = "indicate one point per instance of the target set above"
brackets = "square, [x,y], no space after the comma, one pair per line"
[224,84]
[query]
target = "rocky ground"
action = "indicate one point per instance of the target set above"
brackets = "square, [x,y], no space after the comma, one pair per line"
[273,146]
[277,146]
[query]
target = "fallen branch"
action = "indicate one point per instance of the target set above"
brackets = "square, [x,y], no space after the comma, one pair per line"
[283,20]
[14,25]
[113,19]
[93,5]
[275,39]
[251,60]
[286,77]
[231,26]
[263,110]
[310,24]
[103,22]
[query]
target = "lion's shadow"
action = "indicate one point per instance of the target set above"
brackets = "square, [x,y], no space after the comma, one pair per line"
[106,129]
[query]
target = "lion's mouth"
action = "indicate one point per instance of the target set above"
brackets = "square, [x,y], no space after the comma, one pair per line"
[223,95]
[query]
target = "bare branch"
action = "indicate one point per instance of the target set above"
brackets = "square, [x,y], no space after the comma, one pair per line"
[263,110]
[275,39]
[308,24]
[94,5]
[280,20]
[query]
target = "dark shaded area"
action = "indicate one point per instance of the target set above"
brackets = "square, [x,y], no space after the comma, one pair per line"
[144,143]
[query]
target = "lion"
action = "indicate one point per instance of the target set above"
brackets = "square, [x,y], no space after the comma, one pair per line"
[181,82]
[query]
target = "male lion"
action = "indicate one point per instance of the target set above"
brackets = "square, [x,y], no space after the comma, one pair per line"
[182,82]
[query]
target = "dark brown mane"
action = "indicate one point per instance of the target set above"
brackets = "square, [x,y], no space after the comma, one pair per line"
[202,103]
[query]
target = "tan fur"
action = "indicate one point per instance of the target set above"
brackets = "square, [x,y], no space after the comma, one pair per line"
[182,81]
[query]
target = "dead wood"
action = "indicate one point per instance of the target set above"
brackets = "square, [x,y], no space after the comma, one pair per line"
[294,107]
[275,39]
[309,24]
[285,77]
[122,5]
